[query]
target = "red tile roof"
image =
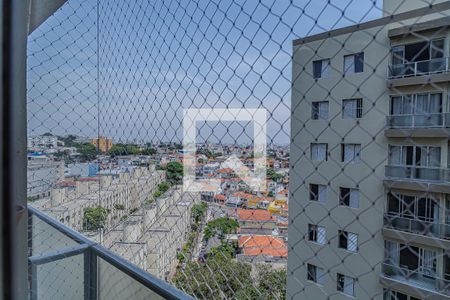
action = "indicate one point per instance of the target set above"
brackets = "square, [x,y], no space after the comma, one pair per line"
[260,215]
[262,245]
[220,197]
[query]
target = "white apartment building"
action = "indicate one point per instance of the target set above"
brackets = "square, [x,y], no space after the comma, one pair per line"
[152,237]
[119,195]
[42,175]
[370,158]
[42,141]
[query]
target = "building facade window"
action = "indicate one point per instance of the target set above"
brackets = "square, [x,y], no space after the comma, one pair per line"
[349,197]
[416,104]
[351,153]
[348,241]
[413,258]
[354,63]
[315,274]
[321,68]
[413,207]
[318,192]
[420,156]
[352,108]
[346,284]
[319,110]
[319,151]
[317,234]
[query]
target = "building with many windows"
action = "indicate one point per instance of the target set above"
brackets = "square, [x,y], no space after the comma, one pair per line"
[370,158]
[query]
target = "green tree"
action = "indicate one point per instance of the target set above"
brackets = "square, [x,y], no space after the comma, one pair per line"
[124,149]
[87,152]
[148,151]
[271,174]
[198,211]
[271,282]
[220,227]
[174,172]
[94,217]
[220,277]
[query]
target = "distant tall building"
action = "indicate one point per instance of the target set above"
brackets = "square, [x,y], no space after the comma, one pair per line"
[103,144]
[369,216]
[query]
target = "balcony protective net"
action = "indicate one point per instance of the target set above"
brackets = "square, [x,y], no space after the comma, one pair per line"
[241,149]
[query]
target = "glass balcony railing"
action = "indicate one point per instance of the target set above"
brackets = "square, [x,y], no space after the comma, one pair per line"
[417,226]
[426,279]
[63,264]
[418,68]
[418,173]
[432,120]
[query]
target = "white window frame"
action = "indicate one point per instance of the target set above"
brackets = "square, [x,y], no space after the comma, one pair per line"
[352,240]
[350,63]
[402,158]
[348,284]
[321,111]
[325,65]
[354,197]
[320,234]
[319,273]
[352,113]
[354,157]
[315,151]
[321,196]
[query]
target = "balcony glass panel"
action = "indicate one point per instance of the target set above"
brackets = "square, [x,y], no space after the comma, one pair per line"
[416,226]
[61,279]
[435,65]
[419,173]
[416,278]
[115,284]
[63,264]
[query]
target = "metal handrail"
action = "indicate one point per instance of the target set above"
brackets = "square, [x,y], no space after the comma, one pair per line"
[414,68]
[421,279]
[426,120]
[95,250]
[417,173]
[434,229]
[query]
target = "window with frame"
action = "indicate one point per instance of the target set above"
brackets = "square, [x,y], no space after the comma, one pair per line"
[315,274]
[346,284]
[423,156]
[416,104]
[318,192]
[413,207]
[351,153]
[354,63]
[421,260]
[321,68]
[319,151]
[352,108]
[319,110]
[317,234]
[348,240]
[349,197]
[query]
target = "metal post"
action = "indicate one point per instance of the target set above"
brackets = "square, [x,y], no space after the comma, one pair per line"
[90,275]
[13,185]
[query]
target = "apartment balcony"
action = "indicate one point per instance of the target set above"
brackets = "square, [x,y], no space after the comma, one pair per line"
[431,233]
[63,264]
[423,125]
[430,285]
[417,178]
[419,72]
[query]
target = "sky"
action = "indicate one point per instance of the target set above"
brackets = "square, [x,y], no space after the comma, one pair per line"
[127,69]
